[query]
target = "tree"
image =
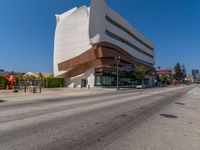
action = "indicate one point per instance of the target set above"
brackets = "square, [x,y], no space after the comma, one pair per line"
[165,79]
[40,76]
[3,83]
[178,72]
[139,73]
[29,77]
[19,76]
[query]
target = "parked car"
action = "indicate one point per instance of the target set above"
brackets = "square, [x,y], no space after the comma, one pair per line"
[140,86]
[161,85]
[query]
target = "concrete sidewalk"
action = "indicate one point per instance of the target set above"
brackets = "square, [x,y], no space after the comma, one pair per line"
[9,95]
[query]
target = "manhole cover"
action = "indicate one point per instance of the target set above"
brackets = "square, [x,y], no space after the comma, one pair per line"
[168,116]
[179,103]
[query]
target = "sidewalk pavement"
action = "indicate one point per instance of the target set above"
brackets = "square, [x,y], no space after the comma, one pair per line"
[9,95]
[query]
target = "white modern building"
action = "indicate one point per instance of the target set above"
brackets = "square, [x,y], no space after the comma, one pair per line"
[87,41]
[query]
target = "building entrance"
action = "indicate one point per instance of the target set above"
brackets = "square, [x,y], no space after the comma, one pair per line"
[83,83]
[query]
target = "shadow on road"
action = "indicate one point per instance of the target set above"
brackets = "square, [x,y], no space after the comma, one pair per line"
[2,101]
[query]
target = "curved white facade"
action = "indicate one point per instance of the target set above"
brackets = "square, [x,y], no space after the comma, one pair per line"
[78,29]
[71,36]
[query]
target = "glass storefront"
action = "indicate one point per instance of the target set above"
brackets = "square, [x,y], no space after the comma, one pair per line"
[105,80]
[98,81]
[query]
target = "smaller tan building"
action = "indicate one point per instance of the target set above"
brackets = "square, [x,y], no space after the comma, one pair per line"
[36,74]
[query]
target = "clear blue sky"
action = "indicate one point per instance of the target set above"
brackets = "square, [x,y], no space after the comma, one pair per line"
[27,30]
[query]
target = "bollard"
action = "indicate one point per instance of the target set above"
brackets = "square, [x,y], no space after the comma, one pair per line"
[25,88]
[34,89]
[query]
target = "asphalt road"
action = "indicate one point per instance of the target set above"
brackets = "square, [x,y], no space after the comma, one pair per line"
[86,122]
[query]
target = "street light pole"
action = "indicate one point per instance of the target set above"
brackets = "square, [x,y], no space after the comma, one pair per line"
[117,58]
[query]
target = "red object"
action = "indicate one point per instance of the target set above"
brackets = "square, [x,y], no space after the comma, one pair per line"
[11,80]
[164,72]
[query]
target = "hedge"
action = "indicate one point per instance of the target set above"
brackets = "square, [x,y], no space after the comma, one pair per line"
[55,82]
[3,83]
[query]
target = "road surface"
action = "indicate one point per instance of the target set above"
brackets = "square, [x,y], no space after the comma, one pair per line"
[97,122]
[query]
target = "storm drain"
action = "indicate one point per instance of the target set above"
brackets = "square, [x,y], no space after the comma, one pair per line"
[178,103]
[168,116]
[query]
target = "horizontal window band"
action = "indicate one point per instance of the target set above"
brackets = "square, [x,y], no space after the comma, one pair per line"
[111,21]
[118,38]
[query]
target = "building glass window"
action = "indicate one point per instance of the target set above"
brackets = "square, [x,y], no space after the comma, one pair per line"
[98,80]
[105,81]
[116,37]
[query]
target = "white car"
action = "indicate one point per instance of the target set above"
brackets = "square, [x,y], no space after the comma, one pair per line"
[140,86]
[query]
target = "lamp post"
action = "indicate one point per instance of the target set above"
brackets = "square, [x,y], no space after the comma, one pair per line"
[117,58]
[154,80]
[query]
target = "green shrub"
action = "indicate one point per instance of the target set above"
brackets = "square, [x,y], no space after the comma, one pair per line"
[54,82]
[3,83]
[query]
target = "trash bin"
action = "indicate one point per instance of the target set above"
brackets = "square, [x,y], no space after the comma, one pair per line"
[34,89]
[15,89]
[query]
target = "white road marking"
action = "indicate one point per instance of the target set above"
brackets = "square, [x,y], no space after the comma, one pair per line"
[192,91]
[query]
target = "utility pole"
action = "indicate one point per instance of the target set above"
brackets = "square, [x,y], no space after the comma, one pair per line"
[117,58]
